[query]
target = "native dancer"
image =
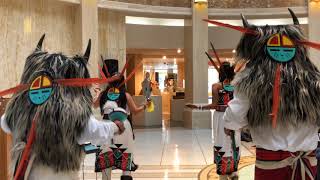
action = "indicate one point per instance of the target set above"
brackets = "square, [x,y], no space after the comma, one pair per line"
[50,116]
[277,96]
[117,104]
[226,148]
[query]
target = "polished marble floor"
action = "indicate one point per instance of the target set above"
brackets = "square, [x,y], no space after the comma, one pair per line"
[170,154]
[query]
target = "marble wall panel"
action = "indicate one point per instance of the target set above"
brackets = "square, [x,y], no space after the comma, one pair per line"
[22,24]
[112,35]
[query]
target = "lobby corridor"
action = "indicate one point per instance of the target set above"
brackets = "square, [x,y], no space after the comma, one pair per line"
[171,154]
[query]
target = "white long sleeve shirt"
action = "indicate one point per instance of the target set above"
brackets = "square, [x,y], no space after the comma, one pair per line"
[288,138]
[96,132]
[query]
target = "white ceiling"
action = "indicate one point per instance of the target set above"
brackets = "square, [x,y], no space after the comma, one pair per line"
[180,22]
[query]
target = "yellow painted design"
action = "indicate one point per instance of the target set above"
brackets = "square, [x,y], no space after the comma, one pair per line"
[286,41]
[46,81]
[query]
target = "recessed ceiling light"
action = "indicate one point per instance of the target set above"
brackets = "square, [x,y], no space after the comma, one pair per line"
[164,57]
[179,51]
[234,51]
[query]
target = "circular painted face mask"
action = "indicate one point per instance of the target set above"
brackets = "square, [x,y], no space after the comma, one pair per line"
[281,48]
[113,94]
[40,90]
[228,87]
[118,114]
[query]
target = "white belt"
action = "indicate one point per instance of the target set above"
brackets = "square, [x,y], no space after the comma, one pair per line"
[291,161]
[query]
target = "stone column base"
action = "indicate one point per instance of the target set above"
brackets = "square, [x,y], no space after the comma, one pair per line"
[196,119]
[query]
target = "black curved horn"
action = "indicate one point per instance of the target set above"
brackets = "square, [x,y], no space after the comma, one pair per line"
[101,58]
[39,45]
[244,21]
[88,50]
[294,17]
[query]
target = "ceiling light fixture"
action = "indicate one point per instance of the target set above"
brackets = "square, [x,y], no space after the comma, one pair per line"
[179,51]
[200,1]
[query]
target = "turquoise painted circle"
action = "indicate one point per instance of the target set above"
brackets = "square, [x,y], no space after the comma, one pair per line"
[281,54]
[40,96]
[113,96]
[118,115]
[228,87]
[40,89]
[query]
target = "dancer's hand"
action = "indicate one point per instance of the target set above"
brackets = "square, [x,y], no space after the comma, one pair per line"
[192,106]
[97,92]
[148,102]
[120,126]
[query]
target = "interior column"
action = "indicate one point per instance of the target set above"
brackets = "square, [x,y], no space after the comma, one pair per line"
[196,67]
[89,30]
[314,25]
[112,35]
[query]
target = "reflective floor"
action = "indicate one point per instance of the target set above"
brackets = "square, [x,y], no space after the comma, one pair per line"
[170,154]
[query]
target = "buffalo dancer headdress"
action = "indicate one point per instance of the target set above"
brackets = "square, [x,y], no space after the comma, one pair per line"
[49,109]
[279,79]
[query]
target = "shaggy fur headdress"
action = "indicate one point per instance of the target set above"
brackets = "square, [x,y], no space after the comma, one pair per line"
[300,88]
[62,118]
[299,99]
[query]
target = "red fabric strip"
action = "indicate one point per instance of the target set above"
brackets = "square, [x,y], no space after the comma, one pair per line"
[310,44]
[23,164]
[18,88]
[77,82]
[85,81]
[124,68]
[276,96]
[101,72]
[238,28]
[131,74]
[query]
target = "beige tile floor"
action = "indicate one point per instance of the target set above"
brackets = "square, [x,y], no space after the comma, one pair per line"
[171,154]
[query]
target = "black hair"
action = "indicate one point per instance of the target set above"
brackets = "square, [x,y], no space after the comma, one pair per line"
[226,72]
[122,101]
